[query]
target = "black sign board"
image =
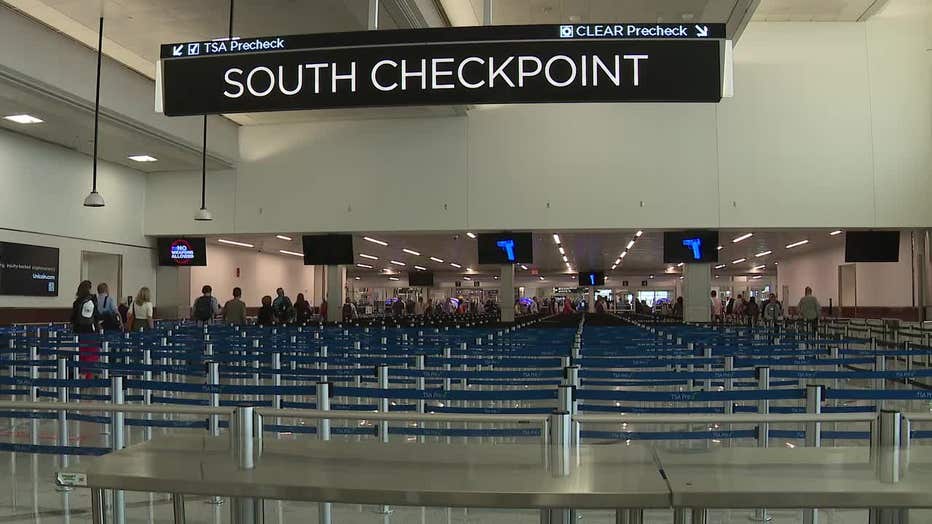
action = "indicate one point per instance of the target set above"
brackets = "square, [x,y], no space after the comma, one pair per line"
[28,270]
[644,283]
[457,284]
[624,282]
[511,64]
[690,247]
[182,251]
[505,248]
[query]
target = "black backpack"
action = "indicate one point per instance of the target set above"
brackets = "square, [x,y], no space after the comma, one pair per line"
[109,320]
[203,309]
[80,320]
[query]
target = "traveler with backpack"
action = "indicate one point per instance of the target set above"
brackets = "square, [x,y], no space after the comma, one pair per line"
[140,314]
[349,311]
[110,319]
[284,309]
[85,323]
[205,307]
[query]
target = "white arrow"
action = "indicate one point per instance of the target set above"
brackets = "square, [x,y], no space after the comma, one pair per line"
[702,31]
[177,50]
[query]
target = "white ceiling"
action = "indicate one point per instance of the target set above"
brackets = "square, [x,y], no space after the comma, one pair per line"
[586,251]
[817,10]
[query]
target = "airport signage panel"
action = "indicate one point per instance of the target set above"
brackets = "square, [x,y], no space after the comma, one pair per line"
[27,270]
[302,72]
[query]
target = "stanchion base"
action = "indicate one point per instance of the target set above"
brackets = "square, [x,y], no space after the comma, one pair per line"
[216,501]
[383,510]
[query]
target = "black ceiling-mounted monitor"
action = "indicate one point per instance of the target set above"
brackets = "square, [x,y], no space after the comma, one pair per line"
[872,246]
[328,250]
[27,270]
[505,248]
[182,251]
[592,278]
[690,247]
[421,278]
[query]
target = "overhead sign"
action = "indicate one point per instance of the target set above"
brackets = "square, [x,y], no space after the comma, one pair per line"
[508,64]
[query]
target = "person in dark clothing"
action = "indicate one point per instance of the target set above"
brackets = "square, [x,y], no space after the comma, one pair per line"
[266,315]
[678,308]
[302,310]
[284,309]
[751,312]
[85,323]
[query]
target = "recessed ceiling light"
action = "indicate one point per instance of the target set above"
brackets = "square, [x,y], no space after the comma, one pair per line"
[742,237]
[142,158]
[556,238]
[234,243]
[370,257]
[419,268]
[562,251]
[357,278]
[836,232]
[638,234]
[541,277]
[375,241]
[364,266]
[23,119]
[681,264]
[466,278]
[720,266]
[292,253]
[411,252]
[719,248]
[613,267]
[393,278]
[454,264]
[797,244]
[740,260]
[471,235]
[565,259]
[437,260]
[650,276]
[283,237]
[523,267]
[397,263]
[630,244]
[763,253]
[758,268]
[496,278]
[758,277]
[623,254]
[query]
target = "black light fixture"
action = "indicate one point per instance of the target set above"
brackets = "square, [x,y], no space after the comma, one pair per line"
[94,199]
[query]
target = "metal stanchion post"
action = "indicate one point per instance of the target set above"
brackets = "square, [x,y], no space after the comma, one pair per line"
[560,462]
[244,510]
[700,516]
[147,391]
[813,438]
[62,374]
[116,432]
[325,509]
[447,382]
[420,383]
[178,508]
[880,364]
[98,507]
[763,429]
[382,376]
[886,454]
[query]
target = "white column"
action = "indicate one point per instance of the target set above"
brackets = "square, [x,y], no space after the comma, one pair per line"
[320,286]
[336,284]
[173,292]
[696,289]
[506,293]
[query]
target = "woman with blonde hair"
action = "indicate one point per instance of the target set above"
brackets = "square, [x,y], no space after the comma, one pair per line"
[140,315]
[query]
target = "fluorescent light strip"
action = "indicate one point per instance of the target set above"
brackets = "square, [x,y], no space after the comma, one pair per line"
[630,245]
[613,267]
[638,234]
[23,119]
[375,241]
[234,243]
[411,252]
[471,235]
[836,232]
[397,263]
[283,237]
[562,251]
[565,259]
[357,278]
[742,237]
[763,253]
[370,257]
[419,268]
[393,278]
[541,277]
[364,266]
[681,264]
[740,260]
[758,268]
[720,266]
[617,261]
[623,254]
[719,248]
[457,266]
[466,278]
[797,244]
[142,158]
[556,239]
[758,277]
[437,260]
[523,267]
[292,253]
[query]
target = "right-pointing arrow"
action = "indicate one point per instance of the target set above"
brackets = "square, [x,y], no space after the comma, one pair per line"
[702,31]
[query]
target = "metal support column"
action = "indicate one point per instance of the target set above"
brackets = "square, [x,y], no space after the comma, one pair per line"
[886,454]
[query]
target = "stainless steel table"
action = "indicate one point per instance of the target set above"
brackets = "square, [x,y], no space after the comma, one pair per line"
[796,478]
[501,476]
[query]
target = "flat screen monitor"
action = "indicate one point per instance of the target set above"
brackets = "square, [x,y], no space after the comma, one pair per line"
[182,251]
[421,279]
[27,270]
[872,246]
[505,248]
[690,246]
[328,250]
[592,278]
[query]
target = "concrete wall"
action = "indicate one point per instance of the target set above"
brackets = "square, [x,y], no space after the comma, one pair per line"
[42,203]
[830,127]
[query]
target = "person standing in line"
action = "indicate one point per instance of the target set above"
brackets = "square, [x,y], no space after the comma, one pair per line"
[110,319]
[266,315]
[740,306]
[718,309]
[810,310]
[773,313]
[234,311]
[730,308]
[302,310]
[85,323]
[419,307]
[284,309]
[752,312]
[678,308]
[206,307]
[349,311]
[323,310]
[140,315]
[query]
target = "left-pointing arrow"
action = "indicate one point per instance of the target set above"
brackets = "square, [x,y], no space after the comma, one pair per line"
[177,50]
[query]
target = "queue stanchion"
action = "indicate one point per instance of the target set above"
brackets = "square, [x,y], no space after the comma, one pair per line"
[560,461]
[62,374]
[325,509]
[880,364]
[324,354]
[886,446]
[243,431]
[447,381]
[763,430]
[11,372]
[213,420]
[277,382]
[382,377]
[34,390]
[813,437]
[117,442]
[421,403]
[147,391]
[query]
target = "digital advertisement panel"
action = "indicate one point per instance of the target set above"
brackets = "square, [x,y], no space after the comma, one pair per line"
[187,251]
[27,270]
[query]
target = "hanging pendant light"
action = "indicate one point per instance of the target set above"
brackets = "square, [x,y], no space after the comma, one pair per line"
[203,214]
[94,199]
